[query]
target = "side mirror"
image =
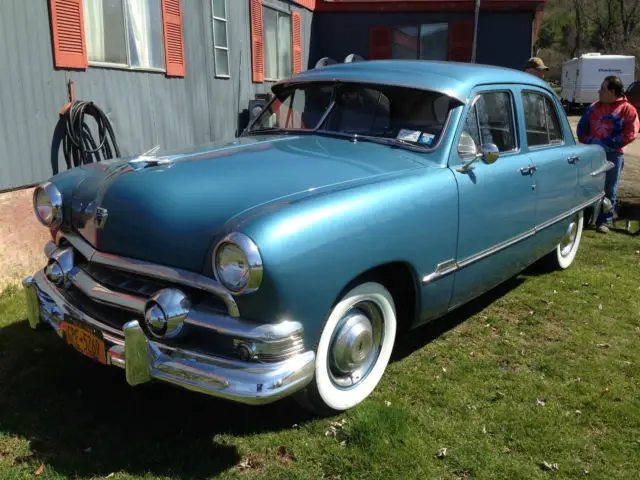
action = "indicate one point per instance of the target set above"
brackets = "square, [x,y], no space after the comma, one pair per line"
[490,153]
[467,150]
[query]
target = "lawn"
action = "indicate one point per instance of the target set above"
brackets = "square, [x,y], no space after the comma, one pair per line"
[538,379]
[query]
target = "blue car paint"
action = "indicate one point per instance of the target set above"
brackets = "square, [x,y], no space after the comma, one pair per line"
[180,207]
[313,248]
[323,210]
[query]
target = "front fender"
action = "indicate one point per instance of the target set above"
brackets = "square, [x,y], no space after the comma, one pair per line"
[313,248]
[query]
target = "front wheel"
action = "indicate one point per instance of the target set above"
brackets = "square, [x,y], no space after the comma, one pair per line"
[354,350]
[566,251]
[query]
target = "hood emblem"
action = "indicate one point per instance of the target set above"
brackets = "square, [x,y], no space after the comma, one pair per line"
[101,217]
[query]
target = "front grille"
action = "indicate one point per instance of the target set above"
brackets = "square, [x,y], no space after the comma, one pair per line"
[122,281]
[114,297]
[112,316]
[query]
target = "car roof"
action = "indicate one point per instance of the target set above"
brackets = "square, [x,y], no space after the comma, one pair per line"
[451,78]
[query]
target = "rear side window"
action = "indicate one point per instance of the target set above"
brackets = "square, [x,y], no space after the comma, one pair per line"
[541,120]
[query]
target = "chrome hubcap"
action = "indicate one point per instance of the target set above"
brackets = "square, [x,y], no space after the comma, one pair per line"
[355,345]
[569,239]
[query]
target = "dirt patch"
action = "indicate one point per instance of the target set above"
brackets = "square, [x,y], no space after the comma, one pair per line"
[22,238]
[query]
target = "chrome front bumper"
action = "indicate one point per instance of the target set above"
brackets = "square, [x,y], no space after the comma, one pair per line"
[144,360]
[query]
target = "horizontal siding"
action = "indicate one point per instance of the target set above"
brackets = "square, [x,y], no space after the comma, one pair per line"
[145,108]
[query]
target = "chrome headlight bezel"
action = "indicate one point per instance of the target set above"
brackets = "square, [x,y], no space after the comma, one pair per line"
[253,260]
[55,199]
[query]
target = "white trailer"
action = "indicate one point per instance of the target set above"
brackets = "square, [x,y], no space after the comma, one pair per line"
[582,76]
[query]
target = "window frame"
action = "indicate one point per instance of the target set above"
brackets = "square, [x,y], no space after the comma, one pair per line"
[419,27]
[544,95]
[287,14]
[226,31]
[127,66]
[514,123]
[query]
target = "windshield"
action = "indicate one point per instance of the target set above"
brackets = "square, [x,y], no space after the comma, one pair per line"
[399,114]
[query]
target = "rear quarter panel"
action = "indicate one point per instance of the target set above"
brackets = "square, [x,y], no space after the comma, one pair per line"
[312,249]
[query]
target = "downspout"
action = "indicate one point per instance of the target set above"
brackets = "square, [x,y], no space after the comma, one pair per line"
[475,31]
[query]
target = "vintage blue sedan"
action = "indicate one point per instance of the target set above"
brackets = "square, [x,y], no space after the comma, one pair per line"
[366,199]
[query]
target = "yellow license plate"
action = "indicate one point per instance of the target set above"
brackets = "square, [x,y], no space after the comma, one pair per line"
[86,343]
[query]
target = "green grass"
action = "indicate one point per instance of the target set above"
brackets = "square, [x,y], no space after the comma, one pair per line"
[544,369]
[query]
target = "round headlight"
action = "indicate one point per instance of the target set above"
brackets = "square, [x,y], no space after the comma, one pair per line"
[47,205]
[237,264]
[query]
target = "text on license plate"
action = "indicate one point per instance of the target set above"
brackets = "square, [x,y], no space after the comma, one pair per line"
[86,343]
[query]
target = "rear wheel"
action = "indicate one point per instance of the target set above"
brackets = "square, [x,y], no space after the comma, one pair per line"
[565,252]
[354,350]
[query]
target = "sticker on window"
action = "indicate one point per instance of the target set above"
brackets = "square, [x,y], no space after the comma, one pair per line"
[408,135]
[426,139]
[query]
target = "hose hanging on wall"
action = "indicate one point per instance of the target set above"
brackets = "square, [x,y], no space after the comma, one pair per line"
[78,143]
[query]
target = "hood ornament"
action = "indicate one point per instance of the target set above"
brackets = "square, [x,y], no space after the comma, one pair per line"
[149,158]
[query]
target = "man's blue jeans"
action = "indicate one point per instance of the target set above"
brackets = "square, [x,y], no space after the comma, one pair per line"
[611,185]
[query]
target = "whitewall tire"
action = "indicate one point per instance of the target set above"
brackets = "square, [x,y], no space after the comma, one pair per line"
[567,249]
[353,351]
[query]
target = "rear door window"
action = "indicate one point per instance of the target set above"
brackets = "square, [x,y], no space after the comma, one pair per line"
[541,120]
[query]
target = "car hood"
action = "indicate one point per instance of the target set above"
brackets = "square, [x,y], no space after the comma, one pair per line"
[169,208]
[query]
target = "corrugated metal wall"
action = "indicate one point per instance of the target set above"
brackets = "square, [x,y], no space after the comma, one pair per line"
[146,109]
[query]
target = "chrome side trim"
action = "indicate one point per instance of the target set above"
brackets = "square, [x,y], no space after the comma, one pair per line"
[449,266]
[442,269]
[571,212]
[496,248]
[160,272]
[603,169]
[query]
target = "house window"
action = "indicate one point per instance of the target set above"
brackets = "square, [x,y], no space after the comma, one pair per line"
[277,44]
[126,33]
[429,41]
[220,38]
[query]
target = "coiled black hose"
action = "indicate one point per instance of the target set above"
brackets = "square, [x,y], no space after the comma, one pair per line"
[78,143]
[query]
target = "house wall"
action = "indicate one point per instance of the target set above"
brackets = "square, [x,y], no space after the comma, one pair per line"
[145,108]
[504,39]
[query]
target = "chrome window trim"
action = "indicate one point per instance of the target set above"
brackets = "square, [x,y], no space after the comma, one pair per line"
[147,269]
[514,122]
[451,266]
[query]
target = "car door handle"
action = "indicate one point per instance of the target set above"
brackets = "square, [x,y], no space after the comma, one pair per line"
[528,170]
[573,159]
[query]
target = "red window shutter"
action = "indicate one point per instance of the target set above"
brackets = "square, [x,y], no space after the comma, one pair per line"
[461,41]
[173,38]
[296,41]
[67,28]
[379,43]
[257,41]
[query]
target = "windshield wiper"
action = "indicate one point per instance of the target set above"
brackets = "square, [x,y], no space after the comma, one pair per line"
[268,130]
[388,141]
